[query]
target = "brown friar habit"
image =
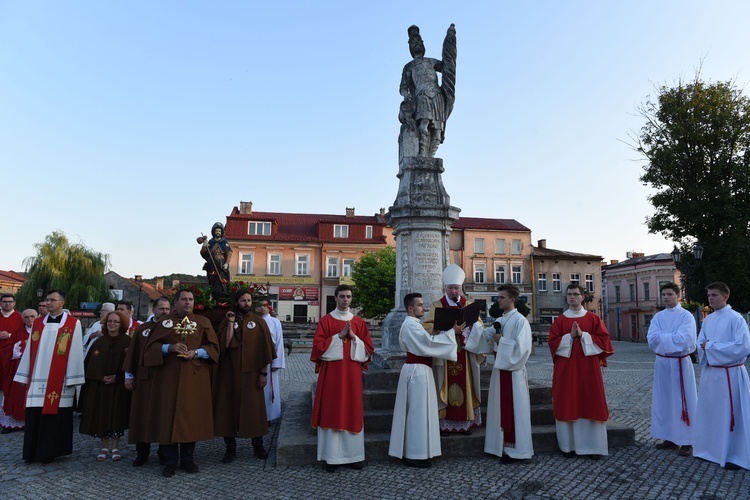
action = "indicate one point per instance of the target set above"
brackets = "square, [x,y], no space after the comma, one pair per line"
[239,405]
[182,386]
[141,398]
[107,406]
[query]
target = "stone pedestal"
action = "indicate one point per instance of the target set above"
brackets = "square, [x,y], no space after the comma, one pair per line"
[421,218]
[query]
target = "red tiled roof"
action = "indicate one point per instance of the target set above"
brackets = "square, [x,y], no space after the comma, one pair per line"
[489,224]
[539,252]
[12,276]
[148,289]
[296,227]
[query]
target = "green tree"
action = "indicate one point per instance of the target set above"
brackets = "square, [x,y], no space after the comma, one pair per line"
[375,283]
[696,142]
[73,268]
[521,306]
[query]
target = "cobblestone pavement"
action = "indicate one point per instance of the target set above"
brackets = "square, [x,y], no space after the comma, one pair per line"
[638,471]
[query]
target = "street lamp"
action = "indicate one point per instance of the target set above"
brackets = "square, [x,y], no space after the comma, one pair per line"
[139,280]
[39,293]
[688,268]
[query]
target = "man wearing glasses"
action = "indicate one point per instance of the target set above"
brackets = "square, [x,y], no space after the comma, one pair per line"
[580,345]
[52,367]
[10,322]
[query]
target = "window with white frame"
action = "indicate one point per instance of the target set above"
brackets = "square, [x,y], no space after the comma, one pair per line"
[500,273]
[368,232]
[246,263]
[500,247]
[556,282]
[478,245]
[542,282]
[340,231]
[346,267]
[516,274]
[302,265]
[274,264]
[332,267]
[589,282]
[515,247]
[575,278]
[480,272]
[259,228]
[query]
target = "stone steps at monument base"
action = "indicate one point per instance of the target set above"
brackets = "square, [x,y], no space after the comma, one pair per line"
[381,399]
[297,441]
[380,420]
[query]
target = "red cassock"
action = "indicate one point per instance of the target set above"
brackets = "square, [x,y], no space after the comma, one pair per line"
[338,397]
[10,325]
[15,393]
[577,383]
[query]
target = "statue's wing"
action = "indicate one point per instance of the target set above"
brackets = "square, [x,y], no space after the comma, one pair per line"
[449,69]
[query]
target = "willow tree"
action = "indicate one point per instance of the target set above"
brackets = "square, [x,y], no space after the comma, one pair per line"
[74,268]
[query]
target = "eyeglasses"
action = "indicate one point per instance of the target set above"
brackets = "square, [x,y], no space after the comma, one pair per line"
[54,300]
[573,294]
[8,301]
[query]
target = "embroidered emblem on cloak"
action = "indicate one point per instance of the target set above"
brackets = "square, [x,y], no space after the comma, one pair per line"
[167,323]
[251,324]
[146,332]
[236,325]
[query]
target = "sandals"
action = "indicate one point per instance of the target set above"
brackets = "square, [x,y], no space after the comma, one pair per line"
[102,456]
[116,457]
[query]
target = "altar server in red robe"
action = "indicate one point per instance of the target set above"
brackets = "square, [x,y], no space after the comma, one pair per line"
[580,345]
[341,350]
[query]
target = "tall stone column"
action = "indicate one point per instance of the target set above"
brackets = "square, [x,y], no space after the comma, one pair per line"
[421,218]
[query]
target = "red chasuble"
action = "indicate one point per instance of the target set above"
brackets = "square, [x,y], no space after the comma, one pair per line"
[59,364]
[338,396]
[577,383]
[15,393]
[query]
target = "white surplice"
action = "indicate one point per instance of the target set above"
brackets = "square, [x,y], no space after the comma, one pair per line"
[37,382]
[511,354]
[415,432]
[727,344]
[671,336]
[272,389]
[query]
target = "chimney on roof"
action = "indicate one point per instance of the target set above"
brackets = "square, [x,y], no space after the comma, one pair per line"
[350,212]
[160,283]
[638,255]
[246,207]
[382,211]
[542,243]
[613,262]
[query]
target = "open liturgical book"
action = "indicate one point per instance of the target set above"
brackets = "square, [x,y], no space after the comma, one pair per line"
[445,318]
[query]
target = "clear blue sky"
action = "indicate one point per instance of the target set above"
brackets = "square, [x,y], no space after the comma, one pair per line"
[134,126]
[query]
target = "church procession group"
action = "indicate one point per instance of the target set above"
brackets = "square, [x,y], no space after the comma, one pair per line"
[439,391]
[172,380]
[154,379]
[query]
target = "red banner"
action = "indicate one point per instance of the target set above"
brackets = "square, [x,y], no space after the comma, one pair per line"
[298,293]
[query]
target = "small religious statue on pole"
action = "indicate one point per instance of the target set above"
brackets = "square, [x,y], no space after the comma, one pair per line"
[217,254]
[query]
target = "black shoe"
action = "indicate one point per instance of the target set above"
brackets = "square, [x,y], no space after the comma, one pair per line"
[229,456]
[6,430]
[568,454]
[731,466]
[667,445]
[189,467]
[505,459]
[595,457]
[140,460]
[420,464]
[169,470]
[259,452]
[356,465]
[161,456]
[330,467]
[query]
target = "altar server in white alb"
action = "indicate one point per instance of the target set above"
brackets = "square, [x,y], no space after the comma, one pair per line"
[415,432]
[722,423]
[671,335]
[508,429]
[273,389]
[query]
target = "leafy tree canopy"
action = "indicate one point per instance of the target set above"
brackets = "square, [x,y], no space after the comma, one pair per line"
[375,283]
[73,268]
[696,142]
